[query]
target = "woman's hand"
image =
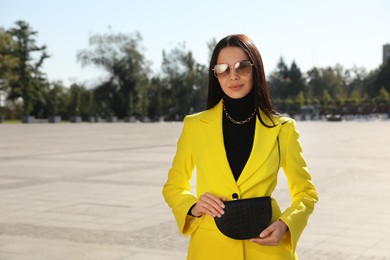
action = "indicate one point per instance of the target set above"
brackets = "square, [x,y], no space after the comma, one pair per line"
[210,205]
[272,235]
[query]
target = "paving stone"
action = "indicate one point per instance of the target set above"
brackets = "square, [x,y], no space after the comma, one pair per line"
[93,191]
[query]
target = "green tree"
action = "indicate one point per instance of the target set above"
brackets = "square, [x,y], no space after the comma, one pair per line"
[297,83]
[354,81]
[278,80]
[120,55]
[210,46]
[377,79]
[200,88]
[327,102]
[183,79]
[8,62]
[74,105]
[299,101]
[88,104]
[328,79]
[53,99]
[286,82]
[155,111]
[383,101]
[28,75]
[41,107]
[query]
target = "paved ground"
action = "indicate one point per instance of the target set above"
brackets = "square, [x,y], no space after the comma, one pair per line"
[93,191]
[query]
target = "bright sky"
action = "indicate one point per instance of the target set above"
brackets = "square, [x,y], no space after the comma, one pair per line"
[313,33]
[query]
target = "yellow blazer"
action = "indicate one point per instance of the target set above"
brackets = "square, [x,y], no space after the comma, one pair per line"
[201,146]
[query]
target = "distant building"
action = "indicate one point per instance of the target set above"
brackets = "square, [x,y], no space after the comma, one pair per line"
[386,52]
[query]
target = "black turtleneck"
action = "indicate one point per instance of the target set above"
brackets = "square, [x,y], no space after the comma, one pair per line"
[238,139]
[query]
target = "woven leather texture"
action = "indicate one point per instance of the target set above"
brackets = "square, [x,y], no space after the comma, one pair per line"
[245,218]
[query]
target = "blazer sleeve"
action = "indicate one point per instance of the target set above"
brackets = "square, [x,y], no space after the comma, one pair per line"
[302,191]
[177,189]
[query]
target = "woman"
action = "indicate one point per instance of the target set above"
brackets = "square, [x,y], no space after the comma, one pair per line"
[237,146]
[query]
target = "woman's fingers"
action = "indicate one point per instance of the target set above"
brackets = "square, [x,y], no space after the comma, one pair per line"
[272,235]
[212,204]
[209,204]
[214,201]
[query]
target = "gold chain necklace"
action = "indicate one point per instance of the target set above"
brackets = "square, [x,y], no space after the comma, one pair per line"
[235,121]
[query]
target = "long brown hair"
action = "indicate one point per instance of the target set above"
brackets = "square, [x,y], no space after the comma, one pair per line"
[260,88]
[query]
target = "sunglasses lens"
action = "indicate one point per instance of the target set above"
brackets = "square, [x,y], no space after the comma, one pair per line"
[243,68]
[221,70]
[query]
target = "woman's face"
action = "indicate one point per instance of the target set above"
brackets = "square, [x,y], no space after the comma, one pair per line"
[232,84]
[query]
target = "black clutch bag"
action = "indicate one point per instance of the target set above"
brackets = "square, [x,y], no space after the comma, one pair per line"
[245,218]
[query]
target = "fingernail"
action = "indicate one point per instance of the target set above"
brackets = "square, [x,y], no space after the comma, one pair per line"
[223,206]
[222,212]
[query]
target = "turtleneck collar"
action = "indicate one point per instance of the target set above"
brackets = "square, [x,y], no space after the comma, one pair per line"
[240,108]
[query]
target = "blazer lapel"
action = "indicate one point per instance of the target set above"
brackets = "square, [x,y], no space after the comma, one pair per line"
[212,127]
[265,140]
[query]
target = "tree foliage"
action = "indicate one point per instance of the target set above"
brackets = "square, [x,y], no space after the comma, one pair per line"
[131,91]
[286,82]
[27,78]
[184,81]
[120,55]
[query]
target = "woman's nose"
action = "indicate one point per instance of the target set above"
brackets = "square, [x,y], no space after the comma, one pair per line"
[233,74]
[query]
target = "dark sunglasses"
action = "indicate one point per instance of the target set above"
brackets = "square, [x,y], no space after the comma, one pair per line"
[242,68]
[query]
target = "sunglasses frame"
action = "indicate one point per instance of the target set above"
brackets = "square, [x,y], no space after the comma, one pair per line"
[229,68]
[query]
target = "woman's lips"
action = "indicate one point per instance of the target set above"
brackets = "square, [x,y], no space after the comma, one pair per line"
[236,87]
